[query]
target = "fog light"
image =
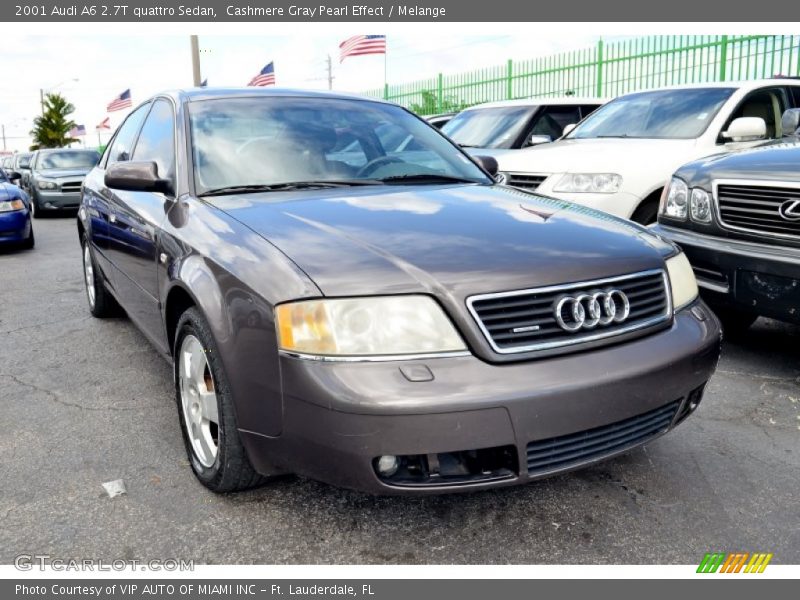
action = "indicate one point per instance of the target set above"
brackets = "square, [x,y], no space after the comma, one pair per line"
[388,465]
[48,204]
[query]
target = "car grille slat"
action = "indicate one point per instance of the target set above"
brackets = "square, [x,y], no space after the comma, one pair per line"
[71,186]
[561,452]
[756,209]
[525,320]
[526,181]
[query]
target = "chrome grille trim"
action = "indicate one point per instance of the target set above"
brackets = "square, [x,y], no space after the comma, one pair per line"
[770,187]
[574,339]
[526,181]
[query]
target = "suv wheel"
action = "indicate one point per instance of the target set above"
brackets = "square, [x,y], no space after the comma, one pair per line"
[205,409]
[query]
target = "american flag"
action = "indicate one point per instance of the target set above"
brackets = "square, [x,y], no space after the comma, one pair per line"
[265,77]
[120,102]
[104,124]
[78,130]
[362,44]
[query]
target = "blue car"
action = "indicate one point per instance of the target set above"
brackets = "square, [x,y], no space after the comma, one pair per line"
[16,227]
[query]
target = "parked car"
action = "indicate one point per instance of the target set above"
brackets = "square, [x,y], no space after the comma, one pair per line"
[56,177]
[16,228]
[5,164]
[497,128]
[440,120]
[385,326]
[22,166]
[737,217]
[620,158]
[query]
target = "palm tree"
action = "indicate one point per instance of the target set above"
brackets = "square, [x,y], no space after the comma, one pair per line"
[51,130]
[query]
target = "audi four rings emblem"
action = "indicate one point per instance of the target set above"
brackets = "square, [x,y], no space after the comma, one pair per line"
[587,311]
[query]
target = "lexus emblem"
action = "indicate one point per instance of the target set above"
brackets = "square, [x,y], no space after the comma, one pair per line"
[587,311]
[790,210]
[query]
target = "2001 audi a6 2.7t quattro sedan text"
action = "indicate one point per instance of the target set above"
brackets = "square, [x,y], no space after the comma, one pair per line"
[393,322]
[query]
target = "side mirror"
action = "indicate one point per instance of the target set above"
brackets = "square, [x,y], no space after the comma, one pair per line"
[136,176]
[568,129]
[489,164]
[535,140]
[746,129]
[14,175]
[790,122]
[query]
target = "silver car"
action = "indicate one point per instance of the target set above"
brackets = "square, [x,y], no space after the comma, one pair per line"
[56,178]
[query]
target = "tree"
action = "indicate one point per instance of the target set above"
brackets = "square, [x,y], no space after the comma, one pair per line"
[51,129]
[430,104]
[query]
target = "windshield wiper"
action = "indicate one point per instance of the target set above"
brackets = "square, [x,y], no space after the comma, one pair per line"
[428,178]
[290,185]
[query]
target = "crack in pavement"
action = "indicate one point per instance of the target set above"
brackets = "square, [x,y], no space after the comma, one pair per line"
[59,400]
[44,324]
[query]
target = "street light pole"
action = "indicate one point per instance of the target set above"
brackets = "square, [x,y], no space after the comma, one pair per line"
[195,60]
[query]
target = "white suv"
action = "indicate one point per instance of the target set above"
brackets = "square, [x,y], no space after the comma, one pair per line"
[620,157]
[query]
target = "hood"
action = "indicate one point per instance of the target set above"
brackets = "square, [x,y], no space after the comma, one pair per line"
[775,161]
[453,240]
[495,153]
[60,173]
[599,155]
[9,191]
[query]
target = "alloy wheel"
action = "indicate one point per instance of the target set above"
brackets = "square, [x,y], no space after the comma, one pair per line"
[198,400]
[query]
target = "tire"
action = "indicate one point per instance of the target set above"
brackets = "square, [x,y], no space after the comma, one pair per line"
[202,394]
[101,302]
[30,242]
[646,213]
[36,211]
[734,322]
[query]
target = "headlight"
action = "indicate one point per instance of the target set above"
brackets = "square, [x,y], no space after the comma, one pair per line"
[373,326]
[598,183]
[675,199]
[11,205]
[682,281]
[44,184]
[700,206]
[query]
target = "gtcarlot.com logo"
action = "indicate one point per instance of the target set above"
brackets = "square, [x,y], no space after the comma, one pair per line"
[734,562]
[41,562]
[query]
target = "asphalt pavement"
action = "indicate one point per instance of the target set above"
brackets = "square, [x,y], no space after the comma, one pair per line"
[87,401]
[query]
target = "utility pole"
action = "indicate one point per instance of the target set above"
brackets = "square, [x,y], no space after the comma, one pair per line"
[4,137]
[330,72]
[195,60]
[41,100]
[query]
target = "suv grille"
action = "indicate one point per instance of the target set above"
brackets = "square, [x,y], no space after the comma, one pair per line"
[71,186]
[526,320]
[568,450]
[756,207]
[525,181]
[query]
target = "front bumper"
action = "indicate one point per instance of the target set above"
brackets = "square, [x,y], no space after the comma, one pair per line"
[15,226]
[55,200]
[339,417]
[724,269]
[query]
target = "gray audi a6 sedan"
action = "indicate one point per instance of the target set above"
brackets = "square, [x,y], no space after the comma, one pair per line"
[389,320]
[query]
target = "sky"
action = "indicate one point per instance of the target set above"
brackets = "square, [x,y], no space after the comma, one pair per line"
[105,65]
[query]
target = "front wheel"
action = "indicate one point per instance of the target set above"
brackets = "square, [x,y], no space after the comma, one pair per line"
[30,241]
[206,412]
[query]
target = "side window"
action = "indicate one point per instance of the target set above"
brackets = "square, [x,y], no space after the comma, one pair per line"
[552,120]
[122,144]
[768,105]
[157,140]
[588,109]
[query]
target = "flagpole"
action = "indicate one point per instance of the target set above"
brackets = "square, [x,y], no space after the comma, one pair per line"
[385,68]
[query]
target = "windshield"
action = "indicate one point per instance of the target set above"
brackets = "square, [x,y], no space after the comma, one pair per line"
[675,114]
[277,140]
[23,161]
[68,159]
[488,127]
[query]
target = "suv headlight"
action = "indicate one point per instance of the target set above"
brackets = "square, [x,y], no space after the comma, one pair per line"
[682,283]
[700,205]
[11,205]
[371,326]
[46,184]
[675,200]
[597,183]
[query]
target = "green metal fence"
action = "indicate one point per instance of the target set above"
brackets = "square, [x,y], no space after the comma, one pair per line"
[606,70]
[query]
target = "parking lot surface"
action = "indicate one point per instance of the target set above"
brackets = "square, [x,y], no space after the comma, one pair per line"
[87,401]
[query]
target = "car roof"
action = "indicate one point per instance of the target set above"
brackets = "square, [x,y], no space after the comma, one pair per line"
[51,150]
[559,101]
[747,85]
[197,94]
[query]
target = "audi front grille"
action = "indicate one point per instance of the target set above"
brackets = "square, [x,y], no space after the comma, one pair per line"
[525,181]
[759,207]
[556,316]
